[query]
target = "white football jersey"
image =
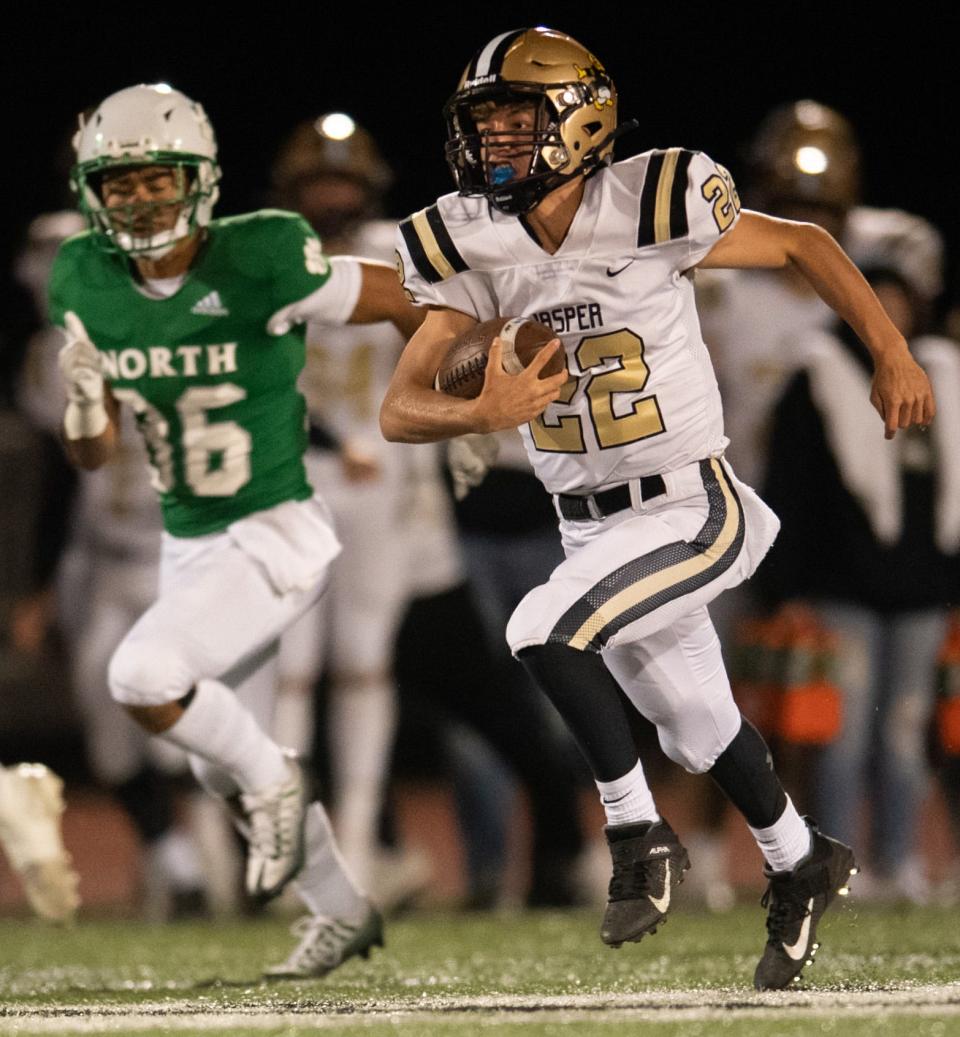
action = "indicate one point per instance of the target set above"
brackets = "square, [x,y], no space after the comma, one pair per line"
[642,397]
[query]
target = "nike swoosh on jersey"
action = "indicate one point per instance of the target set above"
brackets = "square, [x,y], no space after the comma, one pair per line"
[797,950]
[662,903]
[613,273]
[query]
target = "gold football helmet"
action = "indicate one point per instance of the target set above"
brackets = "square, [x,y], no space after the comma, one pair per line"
[329,149]
[574,106]
[806,153]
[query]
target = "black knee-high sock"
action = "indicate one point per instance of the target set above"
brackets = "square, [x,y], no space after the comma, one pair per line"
[591,703]
[744,770]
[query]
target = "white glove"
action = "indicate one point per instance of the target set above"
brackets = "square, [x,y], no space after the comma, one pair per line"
[469,458]
[287,317]
[82,370]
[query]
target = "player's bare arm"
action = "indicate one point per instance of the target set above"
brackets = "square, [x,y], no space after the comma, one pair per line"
[901,392]
[414,412]
[382,298]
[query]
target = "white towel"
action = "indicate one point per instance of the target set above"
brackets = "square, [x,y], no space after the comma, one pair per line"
[294,542]
[869,464]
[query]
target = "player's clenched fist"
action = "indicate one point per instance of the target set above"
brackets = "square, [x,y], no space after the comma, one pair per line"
[80,365]
[510,400]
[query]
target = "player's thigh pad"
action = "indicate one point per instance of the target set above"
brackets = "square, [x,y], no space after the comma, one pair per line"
[636,572]
[220,603]
[677,680]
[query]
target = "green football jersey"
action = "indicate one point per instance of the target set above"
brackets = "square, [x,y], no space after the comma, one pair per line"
[214,395]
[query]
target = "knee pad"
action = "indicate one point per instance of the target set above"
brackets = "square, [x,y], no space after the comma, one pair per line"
[141,674]
[696,739]
[525,628]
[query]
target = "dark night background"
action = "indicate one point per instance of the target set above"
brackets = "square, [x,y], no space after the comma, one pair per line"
[696,74]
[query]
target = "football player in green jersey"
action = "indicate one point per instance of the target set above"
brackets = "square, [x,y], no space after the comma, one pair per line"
[195,324]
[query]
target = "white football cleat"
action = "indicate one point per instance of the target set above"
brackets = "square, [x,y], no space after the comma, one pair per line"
[326,943]
[31,805]
[275,823]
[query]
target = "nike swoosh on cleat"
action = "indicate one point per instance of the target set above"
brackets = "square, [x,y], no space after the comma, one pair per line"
[613,273]
[799,949]
[662,903]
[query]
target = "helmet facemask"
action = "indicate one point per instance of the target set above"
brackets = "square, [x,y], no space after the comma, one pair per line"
[146,228]
[132,130]
[516,168]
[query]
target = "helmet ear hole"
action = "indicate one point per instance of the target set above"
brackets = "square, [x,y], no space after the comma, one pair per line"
[593,128]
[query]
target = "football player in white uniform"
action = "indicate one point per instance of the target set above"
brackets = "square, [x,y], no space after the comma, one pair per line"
[654,522]
[330,171]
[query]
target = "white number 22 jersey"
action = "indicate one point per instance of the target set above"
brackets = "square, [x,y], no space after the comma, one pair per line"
[642,397]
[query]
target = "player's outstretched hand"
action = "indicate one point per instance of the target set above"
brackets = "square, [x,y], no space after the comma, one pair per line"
[901,393]
[510,400]
[80,364]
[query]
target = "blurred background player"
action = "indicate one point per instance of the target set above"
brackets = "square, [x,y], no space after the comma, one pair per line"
[381,495]
[870,539]
[195,321]
[803,163]
[34,508]
[394,520]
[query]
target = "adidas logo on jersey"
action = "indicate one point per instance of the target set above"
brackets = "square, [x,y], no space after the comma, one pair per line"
[210,306]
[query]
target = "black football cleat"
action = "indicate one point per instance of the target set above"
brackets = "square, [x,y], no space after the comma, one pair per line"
[648,862]
[796,901]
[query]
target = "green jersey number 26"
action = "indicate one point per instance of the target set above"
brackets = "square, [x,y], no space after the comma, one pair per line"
[216,453]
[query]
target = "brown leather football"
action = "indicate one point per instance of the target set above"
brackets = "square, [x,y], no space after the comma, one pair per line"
[462,371]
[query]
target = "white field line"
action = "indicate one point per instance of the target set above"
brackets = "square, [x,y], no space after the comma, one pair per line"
[666,1006]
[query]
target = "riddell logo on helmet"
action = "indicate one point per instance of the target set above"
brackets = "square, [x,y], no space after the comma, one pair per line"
[480,81]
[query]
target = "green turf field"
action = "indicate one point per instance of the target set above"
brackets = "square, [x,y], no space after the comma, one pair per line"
[884,973]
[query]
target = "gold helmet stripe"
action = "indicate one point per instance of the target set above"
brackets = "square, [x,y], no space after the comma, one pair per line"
[431,248]
[655,579]
[663,213]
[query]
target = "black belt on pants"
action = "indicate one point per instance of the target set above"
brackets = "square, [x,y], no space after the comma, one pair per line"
[575,508]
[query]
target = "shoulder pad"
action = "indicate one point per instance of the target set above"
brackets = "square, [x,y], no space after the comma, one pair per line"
[431,248]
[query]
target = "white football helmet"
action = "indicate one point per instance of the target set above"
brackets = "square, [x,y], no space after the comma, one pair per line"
[146,125]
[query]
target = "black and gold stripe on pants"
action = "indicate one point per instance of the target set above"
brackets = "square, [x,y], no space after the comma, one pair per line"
[431,248]
[646,583]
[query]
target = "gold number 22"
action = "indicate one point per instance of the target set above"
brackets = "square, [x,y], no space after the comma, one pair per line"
[629,374]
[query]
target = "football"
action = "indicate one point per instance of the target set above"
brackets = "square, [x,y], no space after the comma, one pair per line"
[462,371]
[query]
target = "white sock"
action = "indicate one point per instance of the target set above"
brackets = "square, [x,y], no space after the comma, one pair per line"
[362,723]
[324,884]
[218,728]
[786,842]
[628,799]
